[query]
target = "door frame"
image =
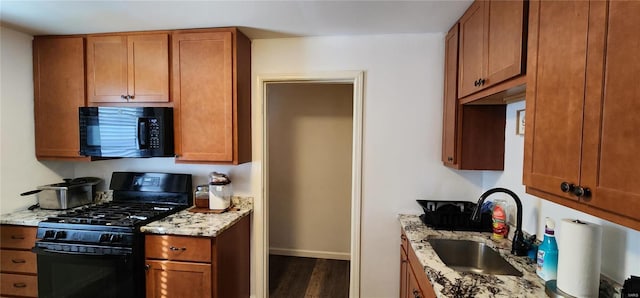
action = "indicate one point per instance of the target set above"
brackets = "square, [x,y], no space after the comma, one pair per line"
[261,210]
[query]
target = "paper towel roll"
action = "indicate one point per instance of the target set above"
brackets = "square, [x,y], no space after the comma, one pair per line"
[579,258]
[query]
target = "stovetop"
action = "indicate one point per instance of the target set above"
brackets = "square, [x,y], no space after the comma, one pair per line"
[123,214]
[138,199]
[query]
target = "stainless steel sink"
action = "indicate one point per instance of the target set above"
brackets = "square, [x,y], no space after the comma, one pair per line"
[472,256]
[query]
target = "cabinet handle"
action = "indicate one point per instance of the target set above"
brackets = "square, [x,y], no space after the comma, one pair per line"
[567,187]
[416,294]
[19,285]
[17,237]
[582,192]
[18,261]
[177,248]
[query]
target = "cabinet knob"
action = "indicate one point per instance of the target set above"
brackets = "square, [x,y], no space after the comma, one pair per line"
[475,83]
[131,97]
[449,158]
[567,187]
[582,192]
[416,293]
[123,97]
[481,82]
[147,267]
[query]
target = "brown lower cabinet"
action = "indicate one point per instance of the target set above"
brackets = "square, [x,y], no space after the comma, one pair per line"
[18,268]
[413,280]
[185,266]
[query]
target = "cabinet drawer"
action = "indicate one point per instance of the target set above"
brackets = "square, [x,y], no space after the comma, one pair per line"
[17,261]
[178,248]
[18,285]
[17,237]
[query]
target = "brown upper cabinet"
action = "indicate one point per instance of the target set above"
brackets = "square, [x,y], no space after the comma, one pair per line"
[581,139]
[492,45]
[211,90]
[472,135]
[58,76]
[128,68]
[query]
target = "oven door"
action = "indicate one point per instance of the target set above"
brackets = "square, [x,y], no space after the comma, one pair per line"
[80,274]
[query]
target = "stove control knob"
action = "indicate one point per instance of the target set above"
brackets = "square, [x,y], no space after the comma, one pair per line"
[105,237]
[115,238]
[60,235]
[49,234]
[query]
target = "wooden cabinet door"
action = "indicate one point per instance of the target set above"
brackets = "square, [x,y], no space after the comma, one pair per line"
[413,288]
[106,68]
[471,54]
[148,67]
[555,94]
[450,119]
[404,268]
[203,96]
[178,279]
[611,139]
[58,68]
[504,47]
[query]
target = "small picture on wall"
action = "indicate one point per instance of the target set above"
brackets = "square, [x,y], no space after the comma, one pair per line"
[520,122]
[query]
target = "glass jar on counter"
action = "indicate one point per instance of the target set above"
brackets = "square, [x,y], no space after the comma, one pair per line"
[201,196]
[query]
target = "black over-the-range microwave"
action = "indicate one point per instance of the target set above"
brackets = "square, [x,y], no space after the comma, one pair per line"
[126,131]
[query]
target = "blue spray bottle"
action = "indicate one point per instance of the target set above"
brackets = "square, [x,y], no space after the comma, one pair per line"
[547,262]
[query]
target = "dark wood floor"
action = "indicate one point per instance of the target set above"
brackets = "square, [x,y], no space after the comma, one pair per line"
[293,277]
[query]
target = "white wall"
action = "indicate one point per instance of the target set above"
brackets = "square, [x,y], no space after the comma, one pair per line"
[19,169]
[402,133]
[620,245]
[310,144]
[240,175]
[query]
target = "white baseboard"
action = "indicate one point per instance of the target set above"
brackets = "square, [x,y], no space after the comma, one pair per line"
[309,253]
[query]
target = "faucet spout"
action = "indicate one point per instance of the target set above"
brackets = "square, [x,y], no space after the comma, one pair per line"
[519,247]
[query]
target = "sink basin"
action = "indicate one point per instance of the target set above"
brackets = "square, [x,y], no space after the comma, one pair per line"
[472,256]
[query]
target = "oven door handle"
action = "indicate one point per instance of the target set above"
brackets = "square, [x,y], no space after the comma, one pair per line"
[49,252]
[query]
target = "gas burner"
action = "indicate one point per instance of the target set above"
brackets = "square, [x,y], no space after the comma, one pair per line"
[115,214]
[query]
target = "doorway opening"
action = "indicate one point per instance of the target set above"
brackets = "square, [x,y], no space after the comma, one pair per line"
[311,185]
[309,141]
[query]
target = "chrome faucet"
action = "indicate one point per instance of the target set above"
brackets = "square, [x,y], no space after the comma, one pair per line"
[518,246]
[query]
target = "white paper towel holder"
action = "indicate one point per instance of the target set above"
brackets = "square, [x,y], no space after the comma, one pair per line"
[551,289]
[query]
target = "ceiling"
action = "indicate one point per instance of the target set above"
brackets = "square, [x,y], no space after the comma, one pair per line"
[257,19]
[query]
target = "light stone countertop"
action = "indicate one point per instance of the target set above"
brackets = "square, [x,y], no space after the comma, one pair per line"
[187,223]
[181,223]
[448,282]
[28,217]
[33,217]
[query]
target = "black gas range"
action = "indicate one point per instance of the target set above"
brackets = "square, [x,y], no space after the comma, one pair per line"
[100,247]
